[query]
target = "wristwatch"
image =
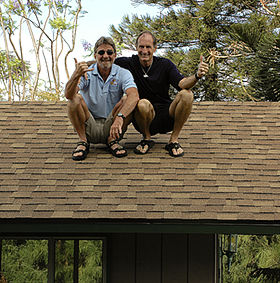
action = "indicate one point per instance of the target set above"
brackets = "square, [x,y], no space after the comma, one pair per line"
[121,115]
[197,77]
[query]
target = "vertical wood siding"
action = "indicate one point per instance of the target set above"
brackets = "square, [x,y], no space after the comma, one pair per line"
[161,258]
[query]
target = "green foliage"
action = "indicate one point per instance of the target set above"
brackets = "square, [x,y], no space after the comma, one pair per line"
[266,80]
[47,95]
[24,261]
[250,32]
[27,261]
[90,261]
[257,260]
[90,267]
[46,24]
[64,260]
[231,30]
[59,23]
[14,69]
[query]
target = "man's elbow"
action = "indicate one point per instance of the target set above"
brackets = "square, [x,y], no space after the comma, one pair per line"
[133,94]
[67,94]
[182,85]
[136,95]
[137,98]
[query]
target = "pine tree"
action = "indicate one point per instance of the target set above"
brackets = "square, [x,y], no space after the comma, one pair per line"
[187,28]
[266,81]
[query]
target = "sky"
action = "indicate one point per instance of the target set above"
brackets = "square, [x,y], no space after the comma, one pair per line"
[101,15]
[96,22]
[91,26]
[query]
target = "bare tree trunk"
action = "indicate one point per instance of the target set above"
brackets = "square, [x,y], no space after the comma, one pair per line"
[26,72]
[23,71]
[7,57]
[48,71]
[74,33]
[36,47]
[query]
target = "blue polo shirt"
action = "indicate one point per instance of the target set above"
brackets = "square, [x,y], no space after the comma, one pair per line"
[101,97]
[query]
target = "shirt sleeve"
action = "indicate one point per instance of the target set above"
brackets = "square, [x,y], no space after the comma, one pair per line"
[83,83]
[122,62]
[127,80]
[174,75]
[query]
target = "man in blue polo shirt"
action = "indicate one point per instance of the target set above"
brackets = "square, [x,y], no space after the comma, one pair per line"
[101,99]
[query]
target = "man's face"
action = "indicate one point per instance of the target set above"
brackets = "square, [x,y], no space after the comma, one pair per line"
[105,56]
[145,49]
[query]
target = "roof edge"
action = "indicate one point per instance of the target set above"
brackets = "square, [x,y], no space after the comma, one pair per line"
[92,227]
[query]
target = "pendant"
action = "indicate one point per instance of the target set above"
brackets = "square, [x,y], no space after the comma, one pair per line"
[145,76]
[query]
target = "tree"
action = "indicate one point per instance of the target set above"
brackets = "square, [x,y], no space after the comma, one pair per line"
[27,261]
[257,260]
[24,261]
[259,41]
[186,28]
[13,76]
[49,24]
[266,80]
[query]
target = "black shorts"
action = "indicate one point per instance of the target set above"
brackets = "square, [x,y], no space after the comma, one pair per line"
[162,122]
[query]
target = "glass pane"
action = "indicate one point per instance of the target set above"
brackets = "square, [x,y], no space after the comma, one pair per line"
[64,261]
[90,261]
[25,261]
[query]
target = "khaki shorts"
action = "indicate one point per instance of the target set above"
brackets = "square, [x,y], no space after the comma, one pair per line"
[98,129]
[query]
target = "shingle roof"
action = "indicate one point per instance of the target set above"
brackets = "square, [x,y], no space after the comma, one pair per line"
[230,170]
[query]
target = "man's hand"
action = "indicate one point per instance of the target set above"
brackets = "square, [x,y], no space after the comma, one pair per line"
[116,128]
[89,63]
[202,68]
[82,68]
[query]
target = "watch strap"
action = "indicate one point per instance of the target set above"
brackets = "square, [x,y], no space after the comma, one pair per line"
[121,115]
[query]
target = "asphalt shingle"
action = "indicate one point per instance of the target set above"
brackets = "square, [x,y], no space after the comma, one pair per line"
[230,170]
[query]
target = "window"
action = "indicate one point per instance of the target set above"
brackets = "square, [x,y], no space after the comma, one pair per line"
[52,260]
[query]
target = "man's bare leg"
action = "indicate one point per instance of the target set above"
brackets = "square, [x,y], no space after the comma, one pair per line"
[180,110]
[78,114]
[126,122]
[144,114]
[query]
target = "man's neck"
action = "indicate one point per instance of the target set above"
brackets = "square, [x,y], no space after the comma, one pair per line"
[146,64]
[104,73]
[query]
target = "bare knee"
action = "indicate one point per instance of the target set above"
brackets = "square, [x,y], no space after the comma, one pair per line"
[74,103]
[185,96]
[144,107]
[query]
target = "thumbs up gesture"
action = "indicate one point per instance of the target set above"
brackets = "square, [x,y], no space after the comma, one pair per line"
[202,68]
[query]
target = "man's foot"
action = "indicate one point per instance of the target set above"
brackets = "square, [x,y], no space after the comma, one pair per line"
[144,146]
[116,149]
[174,149]
[81,151]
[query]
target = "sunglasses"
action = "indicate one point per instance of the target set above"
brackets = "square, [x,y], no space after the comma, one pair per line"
[109,52]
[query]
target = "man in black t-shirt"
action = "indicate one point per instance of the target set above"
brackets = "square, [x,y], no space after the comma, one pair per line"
[156,112]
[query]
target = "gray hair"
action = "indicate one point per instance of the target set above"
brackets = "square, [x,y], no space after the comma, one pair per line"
[147,32]
[104,40]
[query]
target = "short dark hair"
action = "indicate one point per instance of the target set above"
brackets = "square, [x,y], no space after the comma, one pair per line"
[147,32]
[104,40]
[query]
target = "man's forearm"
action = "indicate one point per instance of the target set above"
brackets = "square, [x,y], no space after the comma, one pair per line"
[71,87]
[130,102]
[188,83]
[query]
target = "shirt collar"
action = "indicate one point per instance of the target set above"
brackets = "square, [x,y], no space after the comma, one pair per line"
[112,73]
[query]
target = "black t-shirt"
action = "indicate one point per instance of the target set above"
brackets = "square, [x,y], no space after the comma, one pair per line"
[161,75]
